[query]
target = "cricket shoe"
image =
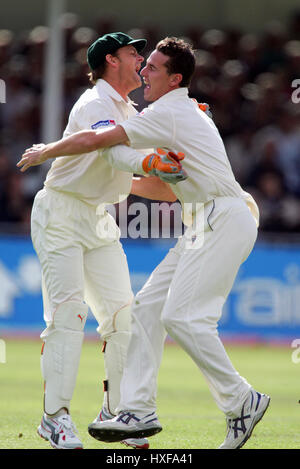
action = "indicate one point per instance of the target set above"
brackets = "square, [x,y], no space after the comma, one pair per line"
[126,425]
[60,432]
[239,429]
[136,443]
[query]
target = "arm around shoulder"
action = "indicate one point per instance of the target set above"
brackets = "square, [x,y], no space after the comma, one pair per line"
[81,142]
[86,141]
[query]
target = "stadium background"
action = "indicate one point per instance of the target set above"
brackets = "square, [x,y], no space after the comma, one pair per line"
[248,61]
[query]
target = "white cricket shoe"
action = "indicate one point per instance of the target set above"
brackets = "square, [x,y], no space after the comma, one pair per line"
[124,426]
[136,443]
[239,429]
[60,432]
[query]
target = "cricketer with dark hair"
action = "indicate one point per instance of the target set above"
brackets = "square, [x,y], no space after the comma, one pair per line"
[185,294]
[79,263]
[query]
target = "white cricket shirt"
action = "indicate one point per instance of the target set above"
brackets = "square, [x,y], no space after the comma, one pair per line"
[175,122]
[90,177]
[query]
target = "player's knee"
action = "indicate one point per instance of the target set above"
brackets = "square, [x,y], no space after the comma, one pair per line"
[118,322]
[171,322]
[122,319]
[70,315]
[175,325]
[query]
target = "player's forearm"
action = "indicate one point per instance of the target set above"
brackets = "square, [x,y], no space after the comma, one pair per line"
[72,145]
[81,142]
[124,158]
[152,188]
[84,142]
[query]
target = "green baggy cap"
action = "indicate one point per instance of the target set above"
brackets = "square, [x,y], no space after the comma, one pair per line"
[108,44]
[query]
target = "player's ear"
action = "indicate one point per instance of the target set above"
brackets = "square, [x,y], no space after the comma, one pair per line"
[176,79]
[111,59]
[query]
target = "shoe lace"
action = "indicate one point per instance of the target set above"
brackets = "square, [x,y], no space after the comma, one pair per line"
[126,417]
[238,424]
[66,424]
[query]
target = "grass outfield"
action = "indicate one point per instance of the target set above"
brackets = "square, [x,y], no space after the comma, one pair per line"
[186,409]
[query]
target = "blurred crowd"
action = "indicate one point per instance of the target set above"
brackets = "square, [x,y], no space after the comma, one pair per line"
[249,80]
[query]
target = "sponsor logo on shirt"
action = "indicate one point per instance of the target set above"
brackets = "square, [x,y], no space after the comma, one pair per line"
[103,123]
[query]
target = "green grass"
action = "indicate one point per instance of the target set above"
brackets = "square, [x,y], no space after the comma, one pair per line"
[186,409]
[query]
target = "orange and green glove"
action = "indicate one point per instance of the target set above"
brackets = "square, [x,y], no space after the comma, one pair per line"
[204,107]
[166,165]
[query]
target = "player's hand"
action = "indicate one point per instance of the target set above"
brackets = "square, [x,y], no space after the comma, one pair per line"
[166,165]
[204,107]
[33,156]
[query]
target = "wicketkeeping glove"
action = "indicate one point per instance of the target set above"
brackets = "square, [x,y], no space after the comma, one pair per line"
[165,165]
[204,107]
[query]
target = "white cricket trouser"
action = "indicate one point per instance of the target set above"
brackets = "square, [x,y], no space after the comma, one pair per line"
[77,264]
[80,264]
[184,297]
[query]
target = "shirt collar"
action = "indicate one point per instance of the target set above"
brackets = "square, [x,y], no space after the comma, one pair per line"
[104,87]
[172,95]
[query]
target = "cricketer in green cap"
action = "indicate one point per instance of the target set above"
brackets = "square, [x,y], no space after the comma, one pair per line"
[108,44]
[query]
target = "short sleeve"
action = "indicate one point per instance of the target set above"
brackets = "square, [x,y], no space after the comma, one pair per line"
[95,115]
[150,128]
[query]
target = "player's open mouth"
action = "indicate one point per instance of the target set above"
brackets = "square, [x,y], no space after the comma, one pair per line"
[147,85]
[137,71]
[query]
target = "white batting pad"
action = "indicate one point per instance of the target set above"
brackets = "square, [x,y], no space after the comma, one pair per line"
[61,354]
[114,361]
